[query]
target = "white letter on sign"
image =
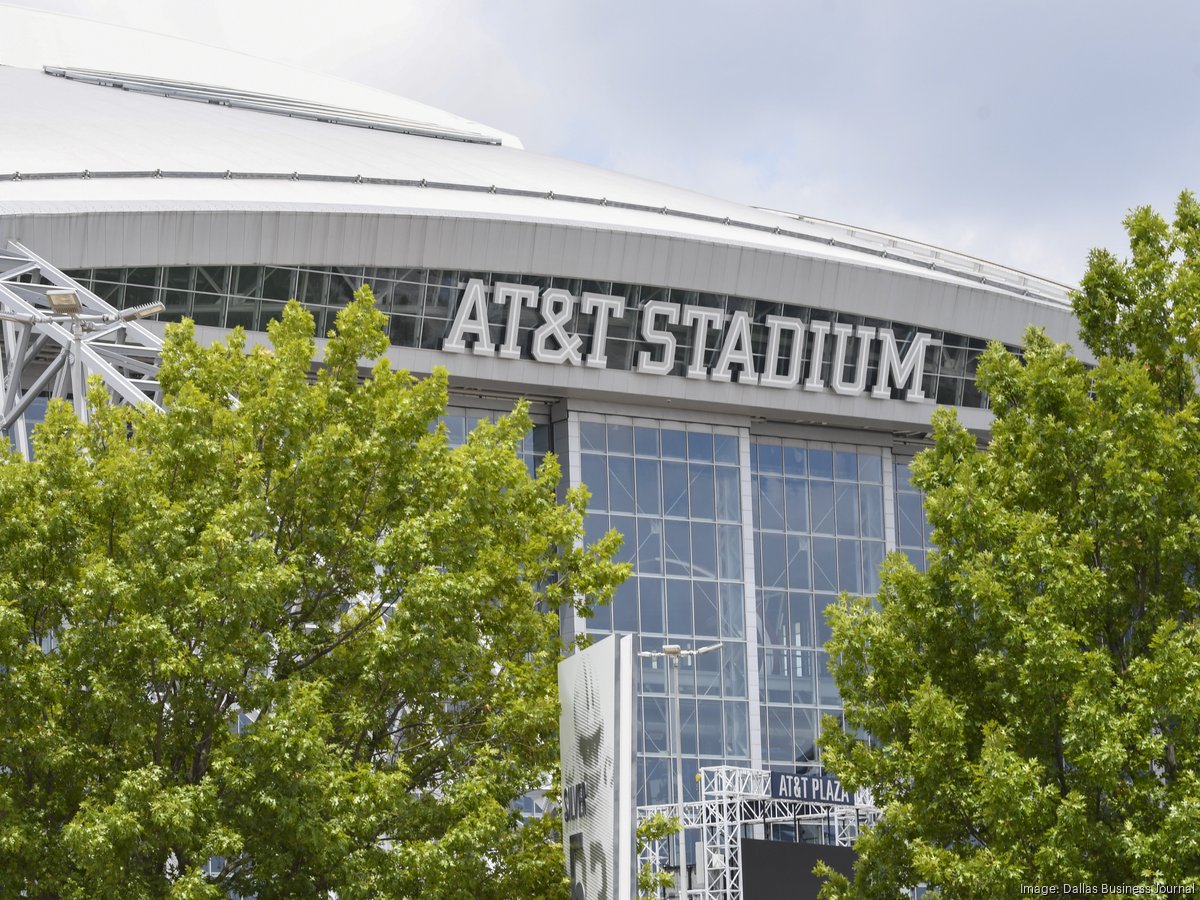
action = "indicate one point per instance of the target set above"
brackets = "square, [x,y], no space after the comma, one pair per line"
[776,325]
[702,318]
[736,349]
[603,306]
[859,384]
[514,296]
[911,369]
[471,318]
[665,339]
[557,306]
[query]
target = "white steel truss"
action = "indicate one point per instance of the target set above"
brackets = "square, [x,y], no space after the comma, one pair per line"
[735,801]
[55,335]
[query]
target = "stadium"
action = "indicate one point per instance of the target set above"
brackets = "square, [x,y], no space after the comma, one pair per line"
[741,389]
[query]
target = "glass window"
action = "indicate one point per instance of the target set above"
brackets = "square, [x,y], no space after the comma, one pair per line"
[624,607]
[737,740]
[827,687]
[771,502]
[650,545]
[796,502]
[595,476]
[675,488]
[628,528]
[679,607]
[674,444]
[620,439]
[595,526]
[872,559]
[846,507]
[778,680]
[774,628]
[870,468]
[806,735]
[824,601]
[849,567]
[820,464]
[649,497]
[824,556]
[845,465]
[650,605]
[703,497]
[803,681]
[591,436]
[770,458]
[821,494]
[780,743]
[712,729]
[729,501]
[620,483]
[707,610]
[773,557]
[700,446]
[654,725]
[870,498]
[678,550]
[733,615]
[911,532]
[657,783]
[725,448]
[729,544]
[798,562]
[279,283]
[795,461]
[645,441]
[687,719]
[704,550]
[708,673]
[733,662]
[208,309]
[802,619]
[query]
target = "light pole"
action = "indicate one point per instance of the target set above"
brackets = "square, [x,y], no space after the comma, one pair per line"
[675,654]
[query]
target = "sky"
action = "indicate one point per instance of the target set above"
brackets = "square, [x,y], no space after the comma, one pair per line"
[1019,132]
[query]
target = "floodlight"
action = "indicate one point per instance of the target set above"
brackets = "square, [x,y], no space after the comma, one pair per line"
[64,302]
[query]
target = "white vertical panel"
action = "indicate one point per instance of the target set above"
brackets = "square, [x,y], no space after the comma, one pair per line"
[750,591]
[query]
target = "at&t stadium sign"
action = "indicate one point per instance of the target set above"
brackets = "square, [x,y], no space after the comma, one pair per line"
[789,341]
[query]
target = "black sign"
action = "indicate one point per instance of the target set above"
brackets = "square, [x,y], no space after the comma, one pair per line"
[772,870]
[575,802]
[809,789]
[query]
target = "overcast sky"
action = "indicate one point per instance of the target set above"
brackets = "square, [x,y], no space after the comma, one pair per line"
[1021,132]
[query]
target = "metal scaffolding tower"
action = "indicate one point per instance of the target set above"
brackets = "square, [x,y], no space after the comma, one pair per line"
[55,334]
[736,802]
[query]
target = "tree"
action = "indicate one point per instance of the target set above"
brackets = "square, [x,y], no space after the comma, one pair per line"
[282,640]
[1034,697]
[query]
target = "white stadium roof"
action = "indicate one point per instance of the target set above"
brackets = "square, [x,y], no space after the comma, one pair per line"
[201,128]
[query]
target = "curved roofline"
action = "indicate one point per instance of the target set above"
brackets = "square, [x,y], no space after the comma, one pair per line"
[960,262]
[895,249]
[36,39]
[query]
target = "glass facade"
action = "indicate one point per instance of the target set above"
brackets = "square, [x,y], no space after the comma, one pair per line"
[420,305]
[913,531]
[818,530]
[674,493]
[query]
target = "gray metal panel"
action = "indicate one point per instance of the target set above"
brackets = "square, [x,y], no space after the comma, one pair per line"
[288,236]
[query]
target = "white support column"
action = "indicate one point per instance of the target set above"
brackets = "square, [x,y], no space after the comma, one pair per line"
[889,501]
[750,593]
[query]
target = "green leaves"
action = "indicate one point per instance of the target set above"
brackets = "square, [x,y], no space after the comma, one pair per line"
[1032,696]
[282,639]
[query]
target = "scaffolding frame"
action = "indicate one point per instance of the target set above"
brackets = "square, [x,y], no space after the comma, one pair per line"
[734,801]
[55,335]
